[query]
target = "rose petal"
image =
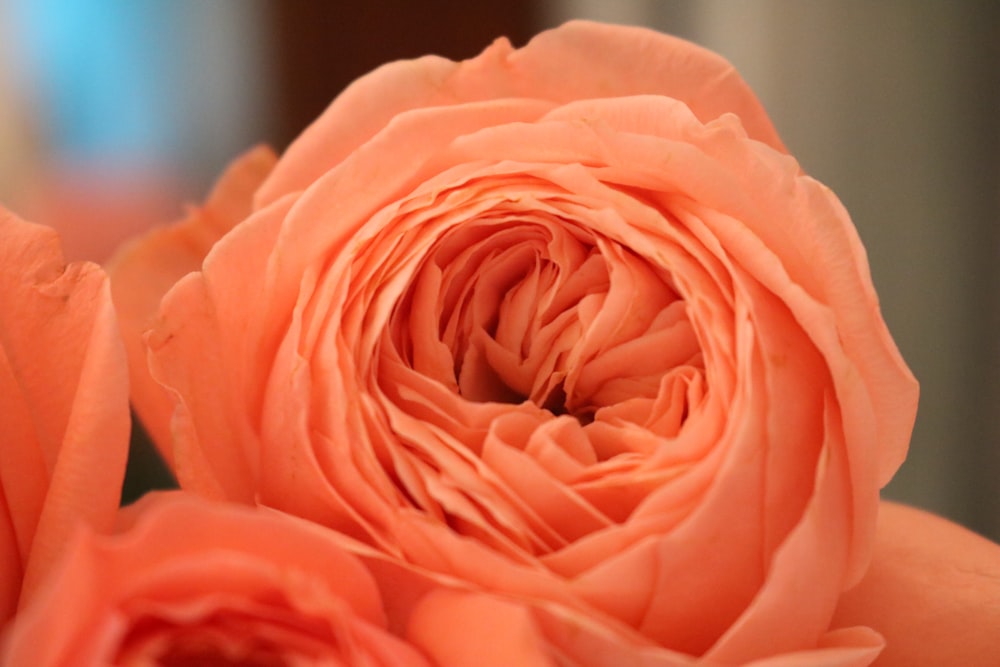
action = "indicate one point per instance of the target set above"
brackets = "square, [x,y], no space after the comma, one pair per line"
[481,631]
[64,392]
[143,270]
[206,323]
[848,647]
[488,630]
[933,591]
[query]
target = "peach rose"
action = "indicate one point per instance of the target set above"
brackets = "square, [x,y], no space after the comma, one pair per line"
[64,404]
[564,322]
[197,584]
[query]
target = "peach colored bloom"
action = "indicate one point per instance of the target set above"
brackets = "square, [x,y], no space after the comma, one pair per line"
[198,584]
[64,404]
[564,322]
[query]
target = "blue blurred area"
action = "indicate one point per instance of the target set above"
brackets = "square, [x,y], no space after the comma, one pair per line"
[117,112]
[105,73]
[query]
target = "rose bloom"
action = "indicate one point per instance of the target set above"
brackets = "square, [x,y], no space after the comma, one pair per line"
[195,583]
[64,419]
[565,323]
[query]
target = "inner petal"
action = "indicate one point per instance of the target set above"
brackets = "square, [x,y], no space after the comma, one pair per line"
[514,309]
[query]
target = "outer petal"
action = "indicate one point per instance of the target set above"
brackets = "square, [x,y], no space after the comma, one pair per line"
[63,388]
[579,60]
[933,591]
[488,630]
[455,627]
[143,270]
[485,631]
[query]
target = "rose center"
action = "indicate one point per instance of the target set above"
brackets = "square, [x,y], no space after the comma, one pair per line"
[552,314]
[192,635]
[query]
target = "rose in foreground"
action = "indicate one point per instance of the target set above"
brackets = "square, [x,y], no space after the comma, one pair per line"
[564,322]
[64,418]
[194,583]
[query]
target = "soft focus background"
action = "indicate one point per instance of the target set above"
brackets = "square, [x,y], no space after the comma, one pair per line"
[113,113]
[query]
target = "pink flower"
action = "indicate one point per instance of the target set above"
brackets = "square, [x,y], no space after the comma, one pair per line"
[565,323]
[195,583]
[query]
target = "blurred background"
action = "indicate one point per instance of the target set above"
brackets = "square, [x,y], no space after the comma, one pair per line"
[114,113]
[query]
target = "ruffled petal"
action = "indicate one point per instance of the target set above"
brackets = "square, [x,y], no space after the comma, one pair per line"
[579,60]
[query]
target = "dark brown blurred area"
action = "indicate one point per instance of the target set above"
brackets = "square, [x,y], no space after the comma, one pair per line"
[320,47]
